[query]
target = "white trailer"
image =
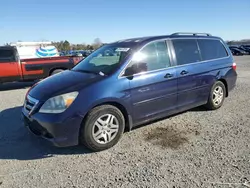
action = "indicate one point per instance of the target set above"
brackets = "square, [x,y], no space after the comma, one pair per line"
[27,50]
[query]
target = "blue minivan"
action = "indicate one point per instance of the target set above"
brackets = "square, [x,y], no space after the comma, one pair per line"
[128,83]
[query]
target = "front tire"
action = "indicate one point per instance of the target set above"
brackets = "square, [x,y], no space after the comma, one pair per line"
[102,128]
[217,96]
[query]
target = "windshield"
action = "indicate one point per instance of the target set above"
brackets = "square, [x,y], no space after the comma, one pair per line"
[104,60]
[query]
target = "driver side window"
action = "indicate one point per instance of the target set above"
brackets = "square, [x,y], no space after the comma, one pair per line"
[153,56]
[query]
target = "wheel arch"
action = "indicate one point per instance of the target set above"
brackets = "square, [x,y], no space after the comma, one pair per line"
[55,68]
[225,84]
[120,106]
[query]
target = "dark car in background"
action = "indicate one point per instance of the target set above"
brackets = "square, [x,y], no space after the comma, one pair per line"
[85,53]
[245,48]
[237,52]
[82,53]
[128,83]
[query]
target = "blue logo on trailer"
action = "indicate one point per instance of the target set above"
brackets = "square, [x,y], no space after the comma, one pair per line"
[48,51]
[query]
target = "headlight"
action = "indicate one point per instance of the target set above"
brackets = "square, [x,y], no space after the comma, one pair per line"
[59,103]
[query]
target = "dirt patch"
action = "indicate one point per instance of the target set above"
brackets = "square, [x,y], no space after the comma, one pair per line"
[169,137]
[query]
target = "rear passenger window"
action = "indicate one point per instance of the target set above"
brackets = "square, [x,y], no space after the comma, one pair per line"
[211,49]
[186,51]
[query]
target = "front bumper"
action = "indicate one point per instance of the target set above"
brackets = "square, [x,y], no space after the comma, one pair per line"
[61,133]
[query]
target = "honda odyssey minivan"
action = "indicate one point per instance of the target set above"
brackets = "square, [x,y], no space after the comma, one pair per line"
[127,83]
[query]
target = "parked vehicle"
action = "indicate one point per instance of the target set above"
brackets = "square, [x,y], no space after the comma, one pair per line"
[12,68]
[149,78]
[245,49]
[62,53]
[237,52]
[85,53]
[76,53]
[245,46]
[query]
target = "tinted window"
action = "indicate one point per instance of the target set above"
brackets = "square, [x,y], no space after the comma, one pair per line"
[186,51]
[6,55]
[154,56]
[211,49]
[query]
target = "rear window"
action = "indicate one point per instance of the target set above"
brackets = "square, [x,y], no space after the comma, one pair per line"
[7,55]
[211,49]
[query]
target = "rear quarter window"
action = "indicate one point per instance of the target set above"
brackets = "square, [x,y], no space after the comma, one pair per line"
[211,49]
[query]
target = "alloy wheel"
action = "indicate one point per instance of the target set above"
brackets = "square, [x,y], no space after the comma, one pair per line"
[105,129]
[218,95]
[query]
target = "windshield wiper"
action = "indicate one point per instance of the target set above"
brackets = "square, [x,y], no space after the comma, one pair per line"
[91,72]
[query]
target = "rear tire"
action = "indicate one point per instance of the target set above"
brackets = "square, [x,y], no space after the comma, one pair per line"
[102,128]
[217,96]
[56,71]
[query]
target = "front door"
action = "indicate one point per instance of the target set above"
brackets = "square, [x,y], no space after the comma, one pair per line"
[153,87]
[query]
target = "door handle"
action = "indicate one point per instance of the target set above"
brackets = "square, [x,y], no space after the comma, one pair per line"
[184,72]
[168,75]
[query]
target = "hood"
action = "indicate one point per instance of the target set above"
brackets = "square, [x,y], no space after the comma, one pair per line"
[64,82]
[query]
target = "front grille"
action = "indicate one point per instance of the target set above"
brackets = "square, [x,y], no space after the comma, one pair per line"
[30,103]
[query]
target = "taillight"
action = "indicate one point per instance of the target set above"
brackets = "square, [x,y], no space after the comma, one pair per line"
[234,66]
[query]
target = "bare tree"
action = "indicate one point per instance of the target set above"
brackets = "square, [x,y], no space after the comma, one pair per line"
[97,43]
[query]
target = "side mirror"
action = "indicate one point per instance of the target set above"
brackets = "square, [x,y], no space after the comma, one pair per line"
[129,71]
[136,68]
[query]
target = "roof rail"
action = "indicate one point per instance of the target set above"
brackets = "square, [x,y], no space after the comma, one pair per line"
[188,33]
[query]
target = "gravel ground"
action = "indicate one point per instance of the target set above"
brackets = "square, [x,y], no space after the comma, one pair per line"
[197,148]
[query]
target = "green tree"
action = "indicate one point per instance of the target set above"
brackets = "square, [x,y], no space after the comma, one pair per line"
[58,45]
[66,45]
[89,47]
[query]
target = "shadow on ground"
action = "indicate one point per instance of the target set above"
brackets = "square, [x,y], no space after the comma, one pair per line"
[15,85]
[16,142]
[197,109]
